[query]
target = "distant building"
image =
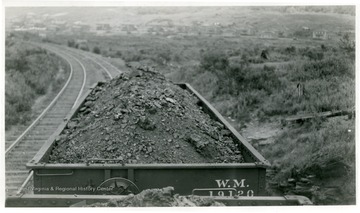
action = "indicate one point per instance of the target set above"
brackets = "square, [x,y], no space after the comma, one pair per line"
[42,35]
[128,28]
[103,27]
[59,23]
[81,41]
[197,23]
[268,35]
[156,30]
[39,24]
[320,34]
[17,24]
[213,30]
[160,22]
[183,29]
[245,32]
[81,28]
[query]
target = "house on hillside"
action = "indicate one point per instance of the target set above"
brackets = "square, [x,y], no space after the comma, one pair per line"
[57,25]
[213,30]
[16,24]
[81,28]
[103,27]
[81,41]
[282,34]
[248,31]
[156,30]
[42,35]
[268,35]
[183,29]
[197,23]
[320,35]
[165,23]
[128,28]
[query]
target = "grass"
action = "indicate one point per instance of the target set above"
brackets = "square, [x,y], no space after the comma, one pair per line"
[30,73]
[325,149]
[241,83]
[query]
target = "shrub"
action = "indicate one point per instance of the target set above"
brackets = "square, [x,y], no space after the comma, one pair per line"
[96,50]
[290,50]
[214,61]
[29,73]
[71,43]
[84,47]
[328,67]
[314,54]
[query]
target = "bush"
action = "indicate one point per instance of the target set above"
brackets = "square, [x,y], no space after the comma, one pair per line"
[347,44]
[96,50]
[290,50]
[71,43]
[29,73]
[314,54]
[214,61]
[325,149]
[84,47]
[330,66]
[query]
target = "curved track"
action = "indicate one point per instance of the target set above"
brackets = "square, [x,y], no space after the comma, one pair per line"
[20,151]
[110,71]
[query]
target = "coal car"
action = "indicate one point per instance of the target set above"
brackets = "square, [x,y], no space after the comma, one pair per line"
[101,179]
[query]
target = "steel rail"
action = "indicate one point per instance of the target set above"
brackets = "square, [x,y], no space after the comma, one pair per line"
[28,178]
[104,68]
[83,84]
[84,72]
[119,71]
[92,57]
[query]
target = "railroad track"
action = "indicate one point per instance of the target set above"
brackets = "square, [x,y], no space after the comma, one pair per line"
[20,151]
[109,69]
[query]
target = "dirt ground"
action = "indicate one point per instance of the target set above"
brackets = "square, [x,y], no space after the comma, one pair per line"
[143,118]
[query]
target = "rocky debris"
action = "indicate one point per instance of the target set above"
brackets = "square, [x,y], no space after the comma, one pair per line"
[312,187]
[159,198]
[143,118]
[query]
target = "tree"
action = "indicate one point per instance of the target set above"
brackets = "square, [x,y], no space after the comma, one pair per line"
[96,50]
[214,60]
[71,43]
[347,44]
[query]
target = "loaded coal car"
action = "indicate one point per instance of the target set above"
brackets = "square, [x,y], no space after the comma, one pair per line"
[139,131]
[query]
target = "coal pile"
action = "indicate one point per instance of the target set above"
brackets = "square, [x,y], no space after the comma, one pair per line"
[143,118]
[158,198]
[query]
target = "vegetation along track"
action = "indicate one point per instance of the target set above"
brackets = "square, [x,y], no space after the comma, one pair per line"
[21,150]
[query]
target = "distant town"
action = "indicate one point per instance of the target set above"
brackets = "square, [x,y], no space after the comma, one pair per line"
[46,25]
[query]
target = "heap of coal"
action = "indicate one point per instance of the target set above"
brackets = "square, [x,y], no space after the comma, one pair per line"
[158,198]
[143,118]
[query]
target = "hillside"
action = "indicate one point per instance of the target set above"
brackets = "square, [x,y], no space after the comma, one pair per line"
[256,82]
[273,18]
